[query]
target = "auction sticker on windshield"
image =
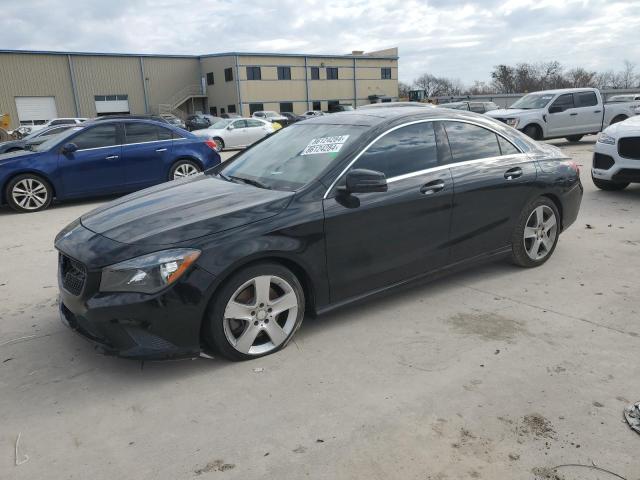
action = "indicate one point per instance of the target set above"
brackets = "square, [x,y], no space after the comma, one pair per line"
[325,145]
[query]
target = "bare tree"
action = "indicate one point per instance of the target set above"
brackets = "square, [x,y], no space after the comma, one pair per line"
[579,77]
[503,79]
[403,90]
[627,78]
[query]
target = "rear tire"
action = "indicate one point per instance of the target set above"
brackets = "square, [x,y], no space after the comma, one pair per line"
[608,185]
[574,138]
[536,233]
[184,168]
[28,193]
[244,319]
[532,131]
[219,143]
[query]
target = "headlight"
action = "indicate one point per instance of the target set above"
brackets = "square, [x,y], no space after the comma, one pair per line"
[604,138]
[512,122]
[149,273]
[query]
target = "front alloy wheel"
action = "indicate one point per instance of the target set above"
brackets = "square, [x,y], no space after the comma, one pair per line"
[256,313]
[28,193]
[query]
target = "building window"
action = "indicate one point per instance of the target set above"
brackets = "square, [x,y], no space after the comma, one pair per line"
[222,111]
[332,105]
[284,73]
[286,107]
[210,78]
[332,73]
[255,107]
[385,73]
[316,106]
[228,74]
[254,73]
[231,108]
[213,111]
[315,73]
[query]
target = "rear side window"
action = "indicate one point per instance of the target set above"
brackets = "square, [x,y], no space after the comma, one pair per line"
[585,99]
[406,150]
[140,133]
[239,124]
[96,137]
[254,123]
[506,147]
[471,142]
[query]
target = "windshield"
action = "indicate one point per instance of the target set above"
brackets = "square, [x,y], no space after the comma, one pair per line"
[293,157]
[220,124]
[533,100]
[54,139]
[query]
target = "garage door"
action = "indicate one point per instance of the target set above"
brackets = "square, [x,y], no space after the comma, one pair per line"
[36,110]
[110,104]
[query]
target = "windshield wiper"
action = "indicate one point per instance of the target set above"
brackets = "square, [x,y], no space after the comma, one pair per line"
[255,183]
[224,177]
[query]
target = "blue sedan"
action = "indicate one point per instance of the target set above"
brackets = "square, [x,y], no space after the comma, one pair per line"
[102,158]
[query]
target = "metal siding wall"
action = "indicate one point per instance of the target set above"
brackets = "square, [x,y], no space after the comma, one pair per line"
[168,76]
[102,75]
[221,93]
[35,75]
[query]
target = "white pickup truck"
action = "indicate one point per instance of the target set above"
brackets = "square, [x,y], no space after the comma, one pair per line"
[570,113]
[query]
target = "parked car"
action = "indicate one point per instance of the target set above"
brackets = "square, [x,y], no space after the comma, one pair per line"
[271,116]
[230,115]
[340,107]
[101,158]
[631,97]
[31,140]
[616,158]
[394,104]
[196,122]
[236,132]
[477,107]
[57,121]
[570,113]
[327,212]
[211,118]
[313,113]
[292,117]
[173,120]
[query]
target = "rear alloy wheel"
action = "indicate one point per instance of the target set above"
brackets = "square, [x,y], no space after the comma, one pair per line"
[574,138]
[219,144]
[184,168]
[28,193]
[256,313]
[608,185]
[536,234]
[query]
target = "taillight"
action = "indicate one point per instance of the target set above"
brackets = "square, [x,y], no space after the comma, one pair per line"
[212,144]
[574,166]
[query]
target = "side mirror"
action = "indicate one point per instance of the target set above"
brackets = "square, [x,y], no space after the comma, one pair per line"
[555,109]
[230,127]
[69,148]
[360,180]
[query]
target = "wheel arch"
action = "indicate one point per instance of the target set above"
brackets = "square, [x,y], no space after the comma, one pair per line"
[191,158]
[537,126]
[3,187]
[621,117]
[556,201]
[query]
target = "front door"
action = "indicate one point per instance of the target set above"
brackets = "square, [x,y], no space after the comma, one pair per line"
[96,167]
[562,117]
[374,240]
[237,135]
[492,182]
[145,153]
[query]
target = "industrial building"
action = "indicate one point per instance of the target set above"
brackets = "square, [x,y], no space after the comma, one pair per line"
[36,86]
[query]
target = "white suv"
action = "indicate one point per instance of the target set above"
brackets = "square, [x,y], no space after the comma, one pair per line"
[616,158]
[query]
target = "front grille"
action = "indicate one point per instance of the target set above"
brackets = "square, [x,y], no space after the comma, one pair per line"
[73,275]
[629,147]
[627,175]
[602,162]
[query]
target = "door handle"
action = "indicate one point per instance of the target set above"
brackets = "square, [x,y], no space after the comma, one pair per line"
[161,149]
[597,111]
[573,114]
[112,157]
[513,173]
[432,187]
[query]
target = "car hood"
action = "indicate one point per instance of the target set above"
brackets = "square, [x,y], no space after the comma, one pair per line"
[506,112]
[7,157]
[182,210]
[630,126]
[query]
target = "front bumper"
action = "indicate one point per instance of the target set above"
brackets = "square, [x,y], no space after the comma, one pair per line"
[610,166]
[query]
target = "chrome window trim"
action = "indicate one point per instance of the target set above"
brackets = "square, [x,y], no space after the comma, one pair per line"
[427,170]
[123,145]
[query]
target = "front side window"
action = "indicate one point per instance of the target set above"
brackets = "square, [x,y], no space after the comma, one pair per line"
[471,142]
[332,73]
[284,73]
[405,150]
[563,102]
[293,157]
[315,73]
[96,137]
[254,73]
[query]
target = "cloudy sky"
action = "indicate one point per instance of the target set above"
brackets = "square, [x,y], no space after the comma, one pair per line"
[456,38]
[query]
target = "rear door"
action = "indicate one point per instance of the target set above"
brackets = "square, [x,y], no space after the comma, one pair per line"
[562,122]
[97,166]
[146,153]
[237,136]
[492,182]
[376,239]
[589,111]
[256,130]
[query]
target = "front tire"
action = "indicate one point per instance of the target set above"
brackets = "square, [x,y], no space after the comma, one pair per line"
[184,168]
[536,234]
[28,193]
[255,313]
[608,185]
[574,138]
[532,131]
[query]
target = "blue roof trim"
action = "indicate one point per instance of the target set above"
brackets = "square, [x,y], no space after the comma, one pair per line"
[226,54]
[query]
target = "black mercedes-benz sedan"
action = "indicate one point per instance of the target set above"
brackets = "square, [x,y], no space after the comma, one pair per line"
[323,213]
